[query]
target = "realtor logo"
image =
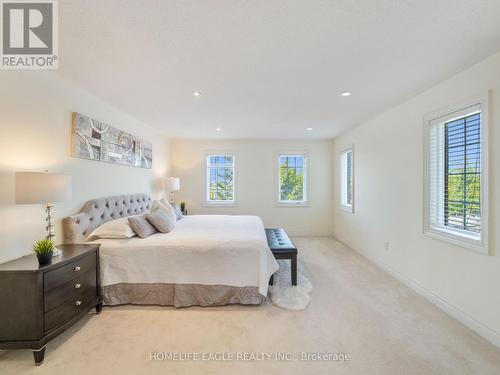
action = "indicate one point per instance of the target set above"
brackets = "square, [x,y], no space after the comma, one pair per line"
[29,34]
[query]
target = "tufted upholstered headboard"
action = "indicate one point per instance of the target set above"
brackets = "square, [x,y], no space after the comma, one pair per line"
[96,212]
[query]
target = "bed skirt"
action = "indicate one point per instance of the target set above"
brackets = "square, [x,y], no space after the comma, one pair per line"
[180,295]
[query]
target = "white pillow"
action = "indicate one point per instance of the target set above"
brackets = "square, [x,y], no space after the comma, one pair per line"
[164,202]
[119,228]
[161,220]
[166,207]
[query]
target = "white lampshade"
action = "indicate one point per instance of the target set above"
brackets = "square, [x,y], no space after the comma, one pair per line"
[172,183]
[39,187]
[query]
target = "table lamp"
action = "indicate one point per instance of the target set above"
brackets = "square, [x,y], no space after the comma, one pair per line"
[43,188]
[172,184]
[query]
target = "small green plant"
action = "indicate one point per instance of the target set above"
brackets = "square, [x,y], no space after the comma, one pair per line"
[183,206]
[42,247]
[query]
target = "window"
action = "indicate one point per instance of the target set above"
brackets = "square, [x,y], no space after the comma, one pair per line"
[220,179]
[292,176]
[456,198]
[347,180]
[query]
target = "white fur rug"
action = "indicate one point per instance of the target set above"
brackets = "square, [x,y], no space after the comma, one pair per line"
[284,294]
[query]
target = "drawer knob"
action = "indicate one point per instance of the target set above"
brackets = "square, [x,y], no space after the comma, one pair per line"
[78,303]
[78,286]
[77,268]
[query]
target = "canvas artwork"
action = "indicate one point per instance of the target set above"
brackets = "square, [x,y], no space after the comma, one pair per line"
[95,140]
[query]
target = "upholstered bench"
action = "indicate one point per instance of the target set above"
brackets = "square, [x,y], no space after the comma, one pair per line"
[282,248]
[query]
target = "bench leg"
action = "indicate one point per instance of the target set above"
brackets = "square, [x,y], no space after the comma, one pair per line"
[293,267]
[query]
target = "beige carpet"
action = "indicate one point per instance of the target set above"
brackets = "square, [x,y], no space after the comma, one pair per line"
[355,309]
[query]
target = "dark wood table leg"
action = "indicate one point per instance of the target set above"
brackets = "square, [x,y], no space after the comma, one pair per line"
[39,355]
[271,280]
[98,308]
[293,260]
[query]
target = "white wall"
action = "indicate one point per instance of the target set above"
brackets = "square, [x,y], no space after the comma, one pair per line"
[35,134]
[256,168]
[389,203]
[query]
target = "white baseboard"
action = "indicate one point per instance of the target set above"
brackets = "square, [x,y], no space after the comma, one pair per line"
[486,332]
[307,233]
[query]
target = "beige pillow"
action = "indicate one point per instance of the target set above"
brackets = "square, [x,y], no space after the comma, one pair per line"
[119,228]
[161,220]
[141,226]
[164,206]
[162,203]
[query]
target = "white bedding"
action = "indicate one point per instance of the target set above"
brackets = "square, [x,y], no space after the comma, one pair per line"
[202,249]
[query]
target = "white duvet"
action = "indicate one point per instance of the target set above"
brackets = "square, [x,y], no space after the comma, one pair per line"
[202,249]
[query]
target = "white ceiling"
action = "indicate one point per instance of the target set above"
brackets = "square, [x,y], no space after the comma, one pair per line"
[268,68]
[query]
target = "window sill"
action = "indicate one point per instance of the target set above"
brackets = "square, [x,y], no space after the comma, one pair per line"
[456,239]
[292,204]
[219,204]
[346,208]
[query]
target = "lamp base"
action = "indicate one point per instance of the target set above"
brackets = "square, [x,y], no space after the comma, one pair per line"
[57,252]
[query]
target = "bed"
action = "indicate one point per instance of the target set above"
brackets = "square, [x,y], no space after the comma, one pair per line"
[207,260]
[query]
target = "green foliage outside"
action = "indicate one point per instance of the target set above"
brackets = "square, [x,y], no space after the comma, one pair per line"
[462,186]
[221,188]
[291,183]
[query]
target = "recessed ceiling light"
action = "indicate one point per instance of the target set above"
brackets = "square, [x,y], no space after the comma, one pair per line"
[309,129]
[346,94]
[196,93]
[218,129]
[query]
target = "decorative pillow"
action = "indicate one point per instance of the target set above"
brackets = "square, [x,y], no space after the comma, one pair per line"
[164,202]
[119,228]
[178,212]
[161,220]
[141,225]
[163,205]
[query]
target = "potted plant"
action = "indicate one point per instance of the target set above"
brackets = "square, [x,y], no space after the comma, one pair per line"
[44,249]
[183,208]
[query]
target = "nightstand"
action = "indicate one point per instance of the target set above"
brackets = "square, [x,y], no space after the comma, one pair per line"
[39,303]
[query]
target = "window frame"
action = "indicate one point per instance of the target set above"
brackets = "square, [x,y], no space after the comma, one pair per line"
[207,201]
[305,180]
[343,205]
[457,237]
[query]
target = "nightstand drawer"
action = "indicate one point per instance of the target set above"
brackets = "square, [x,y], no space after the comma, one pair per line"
[70,271]
[69,308]
[81,284]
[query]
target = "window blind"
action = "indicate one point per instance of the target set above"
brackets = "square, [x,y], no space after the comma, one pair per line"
[347,178]
[455,173]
